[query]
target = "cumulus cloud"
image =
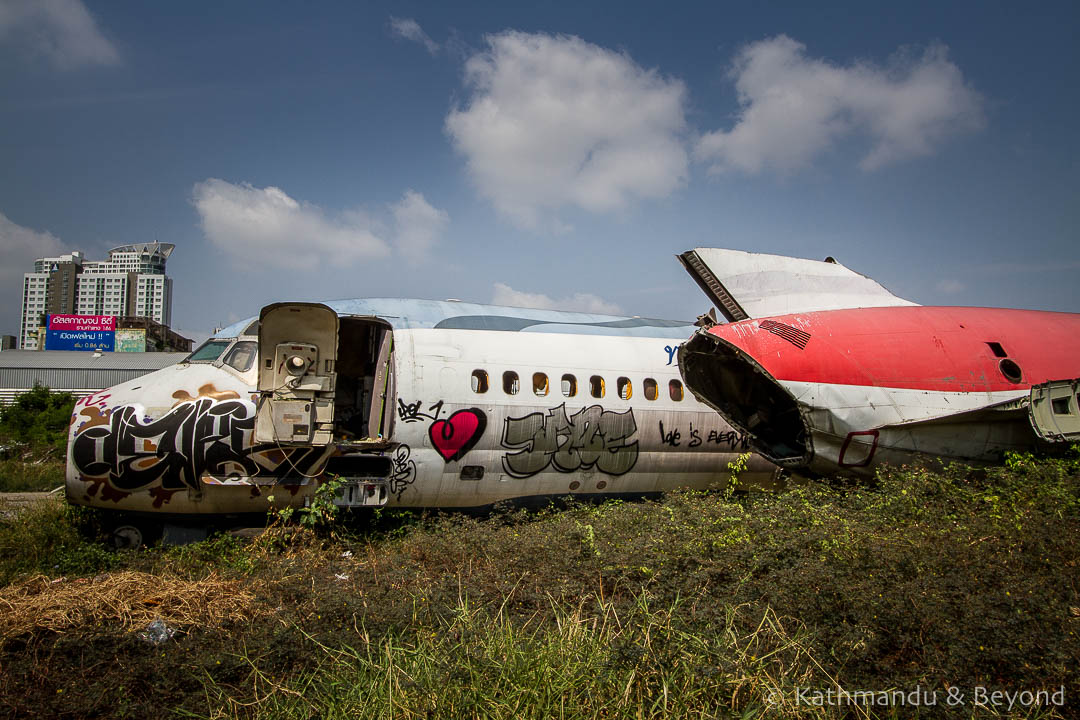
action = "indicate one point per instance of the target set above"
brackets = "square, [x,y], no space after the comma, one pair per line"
[554,121]
[62,31]
[20,246]
[581,302]
[410,30]
[417,225]
[265,226]
[793,108]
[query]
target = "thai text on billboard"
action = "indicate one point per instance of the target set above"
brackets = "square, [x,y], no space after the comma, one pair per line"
[88,323]
[80,332]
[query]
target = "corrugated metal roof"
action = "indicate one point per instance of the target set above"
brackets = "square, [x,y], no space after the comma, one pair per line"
[64,359]
[77,372]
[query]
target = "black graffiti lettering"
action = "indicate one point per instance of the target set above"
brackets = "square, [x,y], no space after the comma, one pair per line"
[196,438]
[731,438]
[592,437]
[412,412]
[175,450]
[404,471]
[669,438]
[695,437]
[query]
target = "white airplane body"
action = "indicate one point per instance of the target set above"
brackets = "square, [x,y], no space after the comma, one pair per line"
[412,404]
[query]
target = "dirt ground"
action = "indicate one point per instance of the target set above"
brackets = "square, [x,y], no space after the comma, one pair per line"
[11,503]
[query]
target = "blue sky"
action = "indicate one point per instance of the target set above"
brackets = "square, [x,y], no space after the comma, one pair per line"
[557,155]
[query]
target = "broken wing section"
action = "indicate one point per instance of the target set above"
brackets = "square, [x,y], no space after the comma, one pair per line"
[746,285]
[1048,415]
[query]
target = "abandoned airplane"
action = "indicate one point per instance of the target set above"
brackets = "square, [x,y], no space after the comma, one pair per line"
[412,404]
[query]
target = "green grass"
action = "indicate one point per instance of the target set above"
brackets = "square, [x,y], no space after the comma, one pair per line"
[31,474]
[700,605]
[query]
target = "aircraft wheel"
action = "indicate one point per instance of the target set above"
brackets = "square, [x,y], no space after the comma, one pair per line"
[127,537]
[132,536]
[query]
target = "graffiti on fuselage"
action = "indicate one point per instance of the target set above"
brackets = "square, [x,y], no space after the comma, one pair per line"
[591,437]
[404,470]
[413,412]
[671,353]
[672,436]
[203,436]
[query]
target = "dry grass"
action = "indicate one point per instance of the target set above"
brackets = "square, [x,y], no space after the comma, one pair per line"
[128,599]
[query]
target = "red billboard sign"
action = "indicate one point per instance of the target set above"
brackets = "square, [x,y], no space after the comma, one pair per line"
[83,323]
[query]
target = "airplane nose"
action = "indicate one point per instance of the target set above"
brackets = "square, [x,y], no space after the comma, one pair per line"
[731,382]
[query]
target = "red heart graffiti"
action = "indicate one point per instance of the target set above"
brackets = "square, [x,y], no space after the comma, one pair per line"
[457,434]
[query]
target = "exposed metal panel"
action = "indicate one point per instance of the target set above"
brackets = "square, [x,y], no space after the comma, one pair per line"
[712,287]
[758,285]
[1055,410]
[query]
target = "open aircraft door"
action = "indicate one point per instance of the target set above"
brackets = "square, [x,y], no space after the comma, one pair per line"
[298,345]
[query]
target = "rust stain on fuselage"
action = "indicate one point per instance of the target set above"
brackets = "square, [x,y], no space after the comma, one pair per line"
[208,390]
[94,417]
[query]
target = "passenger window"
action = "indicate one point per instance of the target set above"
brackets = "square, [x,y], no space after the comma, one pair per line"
[596,386]
[242,356]
[540,384]
[650,389]
[675,390]
[625,389]
[479,381]
[569,386]
[510,382]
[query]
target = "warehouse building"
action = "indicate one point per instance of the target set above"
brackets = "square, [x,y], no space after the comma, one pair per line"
[79,373]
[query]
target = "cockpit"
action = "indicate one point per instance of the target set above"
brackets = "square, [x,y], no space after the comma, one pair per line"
[236,353]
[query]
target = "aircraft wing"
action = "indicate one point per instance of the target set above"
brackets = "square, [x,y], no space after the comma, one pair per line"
[746,285]
[1050,410]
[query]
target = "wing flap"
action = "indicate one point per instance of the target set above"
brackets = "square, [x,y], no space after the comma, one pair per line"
[1052,410]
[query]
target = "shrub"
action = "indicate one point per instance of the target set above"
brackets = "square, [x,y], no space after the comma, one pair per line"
[38,419]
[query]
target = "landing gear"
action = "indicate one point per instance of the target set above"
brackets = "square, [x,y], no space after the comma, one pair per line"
[132,534]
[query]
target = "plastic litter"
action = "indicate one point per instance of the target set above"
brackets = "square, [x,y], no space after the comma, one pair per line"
[157,632]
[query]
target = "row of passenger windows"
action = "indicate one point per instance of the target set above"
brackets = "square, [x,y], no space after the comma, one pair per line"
[569,385]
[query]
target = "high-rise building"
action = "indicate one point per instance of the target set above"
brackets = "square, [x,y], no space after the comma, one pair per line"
[131,283]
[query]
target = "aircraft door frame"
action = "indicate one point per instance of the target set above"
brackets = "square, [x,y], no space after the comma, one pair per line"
[298,347]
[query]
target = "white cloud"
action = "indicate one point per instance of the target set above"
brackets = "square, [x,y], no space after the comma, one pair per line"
[418,225]
[581,302]
[63,31]
[554,121]
[19,247]
[410,30]
[264,226]
[794,107]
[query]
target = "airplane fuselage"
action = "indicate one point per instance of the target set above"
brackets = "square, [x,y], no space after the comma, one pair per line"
[461,418]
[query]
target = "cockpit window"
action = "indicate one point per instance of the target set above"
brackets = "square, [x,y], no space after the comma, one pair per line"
[242,356]
[209,351]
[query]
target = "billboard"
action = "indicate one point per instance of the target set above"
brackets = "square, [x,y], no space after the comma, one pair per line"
[80,332]
[130,340]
